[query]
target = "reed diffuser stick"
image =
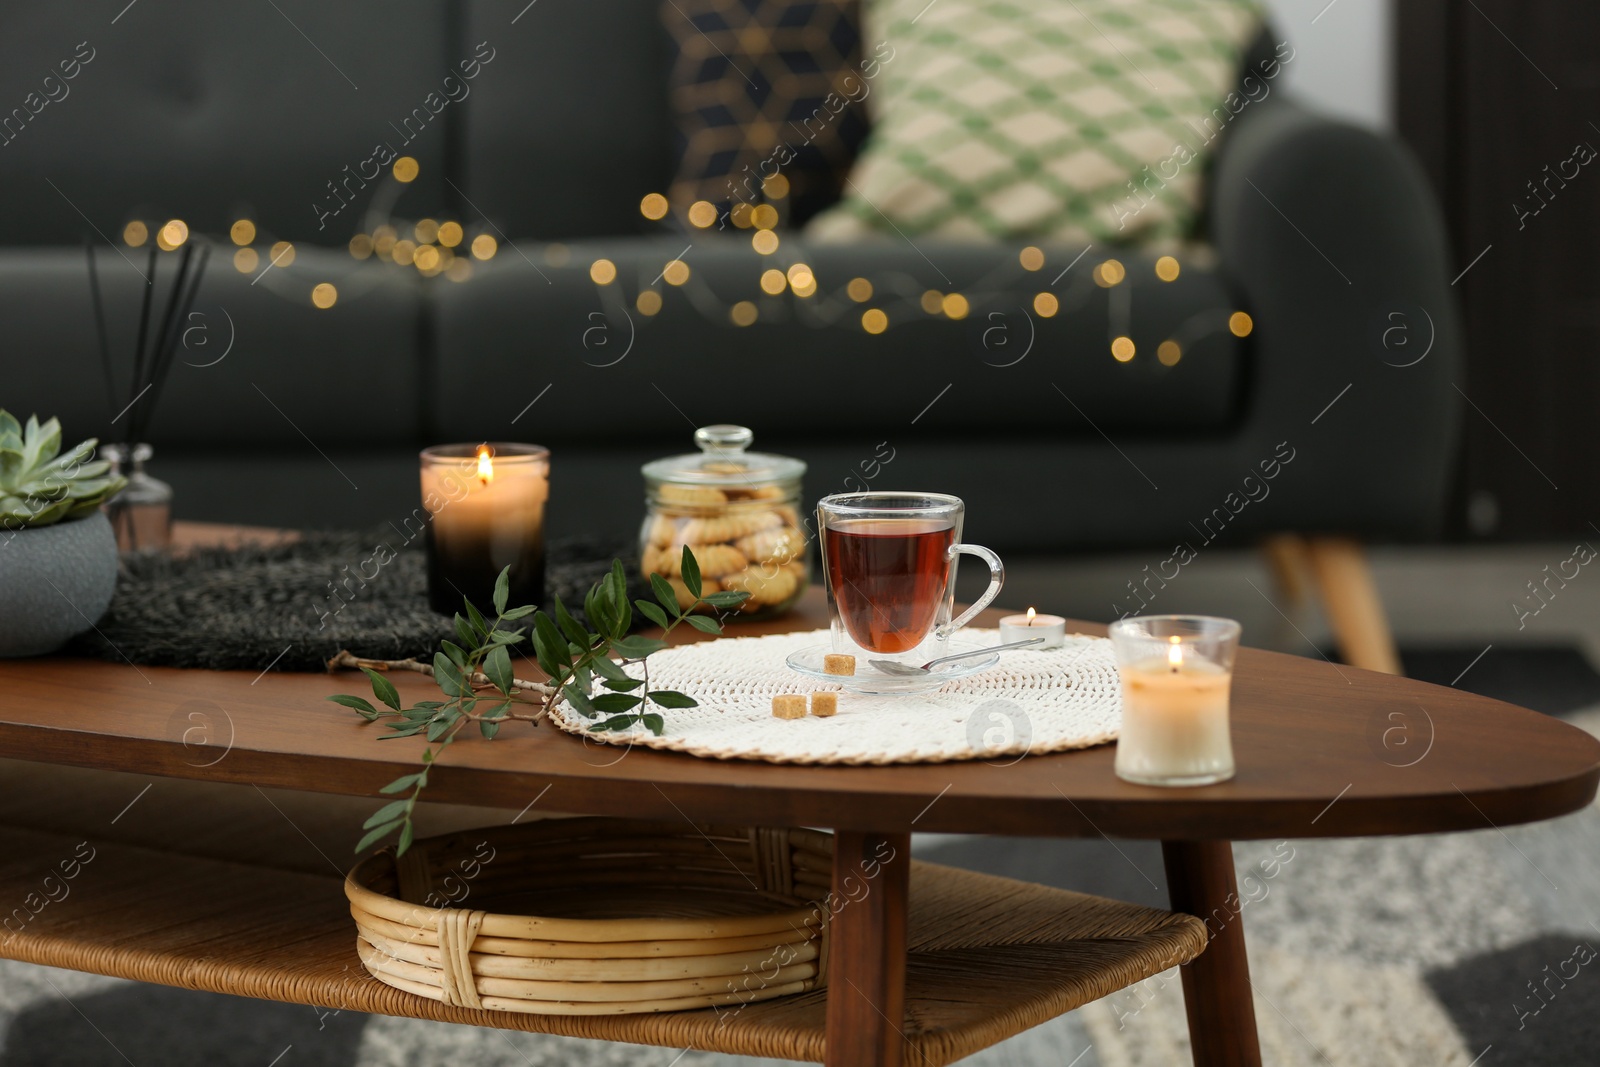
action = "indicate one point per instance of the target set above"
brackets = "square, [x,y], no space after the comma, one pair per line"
[100,328]
[134,387]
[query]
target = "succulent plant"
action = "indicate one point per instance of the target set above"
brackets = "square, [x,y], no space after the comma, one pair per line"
[39,485]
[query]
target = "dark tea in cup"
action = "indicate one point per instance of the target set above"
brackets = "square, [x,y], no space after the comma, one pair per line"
[890,563]
[889,578]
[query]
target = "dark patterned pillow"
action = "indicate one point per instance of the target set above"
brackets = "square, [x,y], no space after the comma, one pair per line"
[761,88]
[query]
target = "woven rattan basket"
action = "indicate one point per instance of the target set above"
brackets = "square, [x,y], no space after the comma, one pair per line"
[597,916]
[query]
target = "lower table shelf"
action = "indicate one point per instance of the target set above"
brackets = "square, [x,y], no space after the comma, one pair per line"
[989,957]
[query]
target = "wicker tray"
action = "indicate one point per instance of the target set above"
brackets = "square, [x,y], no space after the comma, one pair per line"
[597,916]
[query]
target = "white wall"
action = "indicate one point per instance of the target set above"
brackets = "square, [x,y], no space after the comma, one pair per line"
[1342,55]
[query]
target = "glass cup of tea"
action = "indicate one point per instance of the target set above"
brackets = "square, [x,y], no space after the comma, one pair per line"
[890,560]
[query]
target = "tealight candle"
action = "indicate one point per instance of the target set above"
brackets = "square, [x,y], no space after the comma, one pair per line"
[1053,628]
[485,507]
[1176,673]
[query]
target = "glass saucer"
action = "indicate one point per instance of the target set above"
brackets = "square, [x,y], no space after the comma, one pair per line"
[872,682]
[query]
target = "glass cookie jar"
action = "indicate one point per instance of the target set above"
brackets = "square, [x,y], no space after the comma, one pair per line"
[738,513]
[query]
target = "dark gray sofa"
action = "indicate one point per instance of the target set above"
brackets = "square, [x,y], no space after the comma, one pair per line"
[1323,232]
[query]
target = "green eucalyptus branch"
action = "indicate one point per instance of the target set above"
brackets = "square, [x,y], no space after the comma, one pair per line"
[475,677]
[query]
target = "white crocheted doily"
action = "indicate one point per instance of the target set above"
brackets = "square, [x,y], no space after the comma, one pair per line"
[1032,701]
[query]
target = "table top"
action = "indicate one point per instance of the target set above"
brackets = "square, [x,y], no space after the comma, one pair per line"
[1322,750]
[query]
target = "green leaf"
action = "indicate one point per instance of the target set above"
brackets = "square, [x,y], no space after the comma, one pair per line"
[624,685]
[388,813]
[403,730]
[703,624]
[518,613]
[437,728]
[455,652]
[497,665]
[666,594]
[476,618]
[449,676]
[405,839]
[545,629]
[651,612]
[488,728]
[580,701]
[618,580]
[727,599]
[608,668]
[636,647]
[464,631]
[377,834]
[366,709]
[404,782]
[383,688]
[570,626]
[691,573]
[653,723]
[508,637]
[608,703]
[670,698]
[594,606]
[552,655]
[616,722]
[502,591]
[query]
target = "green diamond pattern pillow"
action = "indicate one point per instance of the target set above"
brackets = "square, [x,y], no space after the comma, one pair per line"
[1070,120]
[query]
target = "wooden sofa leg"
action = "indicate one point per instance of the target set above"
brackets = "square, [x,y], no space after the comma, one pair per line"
[1350,598]
[1288,561]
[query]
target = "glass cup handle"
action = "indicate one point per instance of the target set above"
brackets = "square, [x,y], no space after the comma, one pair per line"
[997,578]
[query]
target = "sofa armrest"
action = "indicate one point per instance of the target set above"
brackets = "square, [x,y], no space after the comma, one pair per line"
[1336,246]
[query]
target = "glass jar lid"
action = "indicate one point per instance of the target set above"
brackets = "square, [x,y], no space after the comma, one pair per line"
[723,461]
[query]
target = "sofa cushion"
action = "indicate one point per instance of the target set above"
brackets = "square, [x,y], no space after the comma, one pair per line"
[761,87]
[209,112]
[259,367]
[1080,121]
[532,346]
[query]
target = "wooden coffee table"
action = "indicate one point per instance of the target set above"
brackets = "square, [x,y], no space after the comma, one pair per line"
[1318,756]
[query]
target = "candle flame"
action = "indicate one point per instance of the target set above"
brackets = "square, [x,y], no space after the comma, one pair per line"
[485,466]
[1175,652]
[1030,616]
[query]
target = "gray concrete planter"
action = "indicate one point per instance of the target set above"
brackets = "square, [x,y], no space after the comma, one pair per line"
[55,583]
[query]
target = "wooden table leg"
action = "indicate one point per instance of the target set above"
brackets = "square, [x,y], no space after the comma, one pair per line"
[1216,984]
[867,950]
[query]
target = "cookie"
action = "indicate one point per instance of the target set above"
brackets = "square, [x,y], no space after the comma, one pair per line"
[714,560]
[698,495]
[707,587]
[767,585]
[778,545]
[662,532]
[761,492]
[730,527]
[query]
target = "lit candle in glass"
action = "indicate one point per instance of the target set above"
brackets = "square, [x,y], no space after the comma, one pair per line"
[1176,671]
[485,507]
[1053,628]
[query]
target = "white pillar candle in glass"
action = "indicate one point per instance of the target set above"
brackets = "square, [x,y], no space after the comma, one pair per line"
[1177,671]
[1053,628]
[485,505]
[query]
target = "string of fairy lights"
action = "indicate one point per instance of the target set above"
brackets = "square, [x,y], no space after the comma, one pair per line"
[789,289]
